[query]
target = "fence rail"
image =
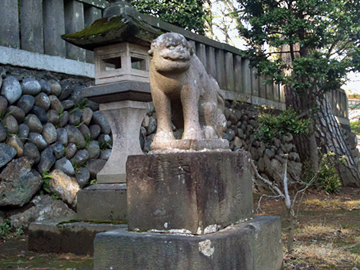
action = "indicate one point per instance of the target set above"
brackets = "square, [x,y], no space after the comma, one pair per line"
[37,26]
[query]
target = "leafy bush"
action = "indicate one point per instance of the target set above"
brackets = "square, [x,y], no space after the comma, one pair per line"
[285,123]
[328,178]
[355,127]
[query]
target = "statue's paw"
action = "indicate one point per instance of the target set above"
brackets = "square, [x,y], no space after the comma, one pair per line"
[193,134]
[161,136]
[209,133]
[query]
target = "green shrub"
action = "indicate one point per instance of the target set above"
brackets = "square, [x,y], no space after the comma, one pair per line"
[287,122]
[355,127]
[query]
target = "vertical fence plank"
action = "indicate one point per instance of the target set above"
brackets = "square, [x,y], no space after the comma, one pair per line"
[210,61]
[246,78]
[32,37]
[193,44]
[262,85]
[9,24]
[229,70]
[220,68]
[237,73]
[255,82]
[54,27]
[276,92]
[201,53]
[74,21]
[91,15]
[270,91]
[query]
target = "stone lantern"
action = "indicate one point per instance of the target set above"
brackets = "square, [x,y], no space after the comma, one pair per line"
[120,41]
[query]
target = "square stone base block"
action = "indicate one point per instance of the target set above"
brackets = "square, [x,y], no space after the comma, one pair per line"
[195,191]
[102,202]
[66,235]
[254,245]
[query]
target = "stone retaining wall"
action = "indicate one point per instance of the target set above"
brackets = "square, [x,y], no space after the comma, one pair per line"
[47,128]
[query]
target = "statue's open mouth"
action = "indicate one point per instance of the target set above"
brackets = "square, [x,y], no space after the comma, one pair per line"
[178,59]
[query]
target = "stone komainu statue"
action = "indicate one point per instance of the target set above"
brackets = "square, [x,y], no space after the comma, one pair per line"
[183,93]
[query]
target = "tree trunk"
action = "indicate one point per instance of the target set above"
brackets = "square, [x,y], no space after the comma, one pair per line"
[327,136]
[331,139]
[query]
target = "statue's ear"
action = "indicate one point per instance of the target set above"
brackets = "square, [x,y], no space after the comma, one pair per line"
[151,52]
[190,48]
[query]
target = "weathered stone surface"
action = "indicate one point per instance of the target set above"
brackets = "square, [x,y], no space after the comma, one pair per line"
[105,154]
[105,139]
[102,202]
[15,142]
[67,87]
[11,89]
[95,166]
[47,160]
[31,151]
[55,103]
[93,150]
[92,105]
[38,140]
[64,119]
[229,135]
[152,126]
[17,112]
[55,87]
[3,104]
[99,119]
[30,86]
[83,177]
[19,183]
[11,124]
[94,131]
[76,95]
[34,124]
[80,157]
[67,104]
[49,133]
[45,87]
[58,149]
[26,103]
[64,186]
[40,113]
[183,190]
[252,245]
[85,131]
[75,136]
[62,135]
[53,117]
[3,132]
[7,154]
[42,101]
[86,116]
[65,166]
[74,117]
[70,150]
[43,207]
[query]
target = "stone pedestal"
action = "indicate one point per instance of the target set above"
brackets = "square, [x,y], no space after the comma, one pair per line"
[125,119]
[102,202]
[193,191]
[252,245]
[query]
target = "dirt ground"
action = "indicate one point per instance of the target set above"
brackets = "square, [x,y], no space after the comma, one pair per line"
[327,236]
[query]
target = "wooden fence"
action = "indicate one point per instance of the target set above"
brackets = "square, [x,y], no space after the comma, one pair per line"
[37,26]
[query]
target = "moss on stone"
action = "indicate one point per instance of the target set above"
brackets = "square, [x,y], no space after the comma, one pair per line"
[99,26]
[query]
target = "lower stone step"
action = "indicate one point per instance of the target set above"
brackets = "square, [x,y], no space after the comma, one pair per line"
[252,245]
[67,235]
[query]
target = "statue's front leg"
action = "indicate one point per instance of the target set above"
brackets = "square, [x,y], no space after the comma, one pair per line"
[190,104]
[163,113]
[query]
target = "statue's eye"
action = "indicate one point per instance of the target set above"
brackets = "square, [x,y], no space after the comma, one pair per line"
[170,46]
